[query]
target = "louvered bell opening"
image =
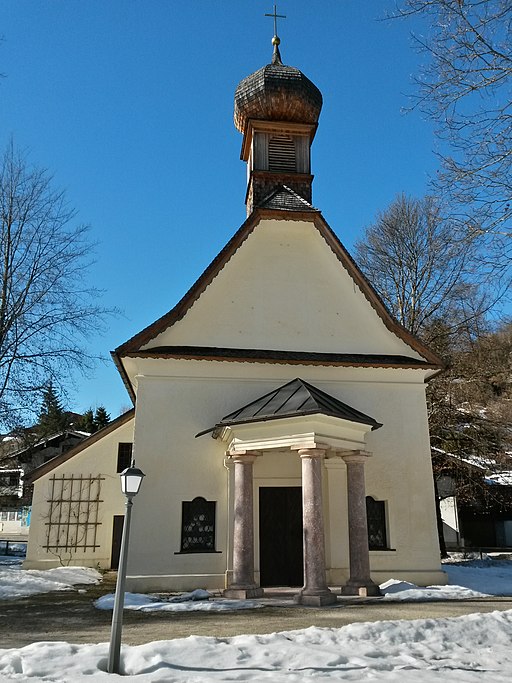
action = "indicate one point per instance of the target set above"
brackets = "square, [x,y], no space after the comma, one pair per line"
[281,154]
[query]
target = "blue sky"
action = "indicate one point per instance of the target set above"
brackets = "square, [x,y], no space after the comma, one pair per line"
[129,103]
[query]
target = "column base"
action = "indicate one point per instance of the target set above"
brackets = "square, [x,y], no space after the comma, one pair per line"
[361,588]
[241,593]
[318,600]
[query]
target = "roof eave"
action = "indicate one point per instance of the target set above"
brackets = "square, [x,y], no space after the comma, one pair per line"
[124,375]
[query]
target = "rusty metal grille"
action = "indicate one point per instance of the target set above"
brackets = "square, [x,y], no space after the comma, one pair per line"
[198,526]
[376,516]
[73,513]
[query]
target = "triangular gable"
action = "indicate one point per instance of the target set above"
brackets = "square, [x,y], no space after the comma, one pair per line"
[143,338]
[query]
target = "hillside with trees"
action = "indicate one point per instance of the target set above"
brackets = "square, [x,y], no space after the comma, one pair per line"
[434,284]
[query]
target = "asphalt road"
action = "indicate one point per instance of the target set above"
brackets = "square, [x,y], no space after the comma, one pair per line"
[70,616]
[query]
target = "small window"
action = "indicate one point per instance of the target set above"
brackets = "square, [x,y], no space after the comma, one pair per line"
[124,456]
[198,526]
[3,516]
[376,516]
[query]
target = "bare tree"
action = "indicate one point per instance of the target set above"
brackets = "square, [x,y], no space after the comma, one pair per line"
[465,86]
[431,279]
[47,312]
[423,271]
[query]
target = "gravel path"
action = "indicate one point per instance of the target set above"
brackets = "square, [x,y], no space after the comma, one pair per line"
[70,616]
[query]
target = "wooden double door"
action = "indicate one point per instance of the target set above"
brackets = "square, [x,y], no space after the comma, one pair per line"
[281,550]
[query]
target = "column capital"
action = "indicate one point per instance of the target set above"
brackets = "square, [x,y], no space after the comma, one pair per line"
[312,452]
[355,456]
[244,457]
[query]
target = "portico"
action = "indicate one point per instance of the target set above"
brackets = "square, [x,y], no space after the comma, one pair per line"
[309,424]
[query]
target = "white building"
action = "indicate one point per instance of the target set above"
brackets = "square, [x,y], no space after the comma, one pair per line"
[276,403]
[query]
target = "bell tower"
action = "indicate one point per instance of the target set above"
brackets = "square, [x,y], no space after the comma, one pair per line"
[277,110]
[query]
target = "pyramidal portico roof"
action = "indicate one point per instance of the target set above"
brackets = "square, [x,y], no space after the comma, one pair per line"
[297,397]
[294,399]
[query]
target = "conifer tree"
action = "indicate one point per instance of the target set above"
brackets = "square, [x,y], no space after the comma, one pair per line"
[52,416]
[86,422]
[101,417]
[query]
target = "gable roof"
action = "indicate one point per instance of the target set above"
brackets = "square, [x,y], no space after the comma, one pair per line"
[49,440]
[285,199]
[85,443]
[308,213]
[294,399]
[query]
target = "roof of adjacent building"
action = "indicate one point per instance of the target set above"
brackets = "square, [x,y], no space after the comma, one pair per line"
[293,399]
[82,445]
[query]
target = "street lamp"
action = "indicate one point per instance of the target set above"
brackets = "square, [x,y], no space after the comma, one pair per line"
[131,479]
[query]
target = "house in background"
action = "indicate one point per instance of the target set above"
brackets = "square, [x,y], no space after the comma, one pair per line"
[475,497]
[280,412]
[14,516]
[16,464]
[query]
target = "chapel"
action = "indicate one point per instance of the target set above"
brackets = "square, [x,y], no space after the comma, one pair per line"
[280,414]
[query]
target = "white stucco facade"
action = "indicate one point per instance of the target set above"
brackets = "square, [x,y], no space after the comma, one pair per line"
[284,289]
[175,407]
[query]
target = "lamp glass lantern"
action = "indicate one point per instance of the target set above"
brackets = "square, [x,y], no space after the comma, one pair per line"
[131,479]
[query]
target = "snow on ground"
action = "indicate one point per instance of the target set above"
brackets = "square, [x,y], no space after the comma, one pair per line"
[474,579]
[16,583]
[467,579]
[400,591]
[466,649]
[197,601]
[493,577]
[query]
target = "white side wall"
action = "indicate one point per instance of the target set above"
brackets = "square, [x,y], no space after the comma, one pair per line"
[99,459]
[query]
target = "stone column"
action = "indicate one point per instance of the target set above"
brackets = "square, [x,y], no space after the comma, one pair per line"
[360,582]
[315,590]
[243,584]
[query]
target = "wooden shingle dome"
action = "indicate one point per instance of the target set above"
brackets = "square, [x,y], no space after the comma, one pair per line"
[277,93]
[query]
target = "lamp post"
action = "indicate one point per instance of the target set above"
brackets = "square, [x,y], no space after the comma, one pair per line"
[131,479]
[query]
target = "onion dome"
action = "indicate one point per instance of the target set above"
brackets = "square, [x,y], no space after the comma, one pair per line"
[277,93]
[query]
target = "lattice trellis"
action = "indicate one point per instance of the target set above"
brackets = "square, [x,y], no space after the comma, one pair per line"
[73,514]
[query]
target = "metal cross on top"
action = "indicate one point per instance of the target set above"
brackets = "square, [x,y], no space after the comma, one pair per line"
[276,17]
